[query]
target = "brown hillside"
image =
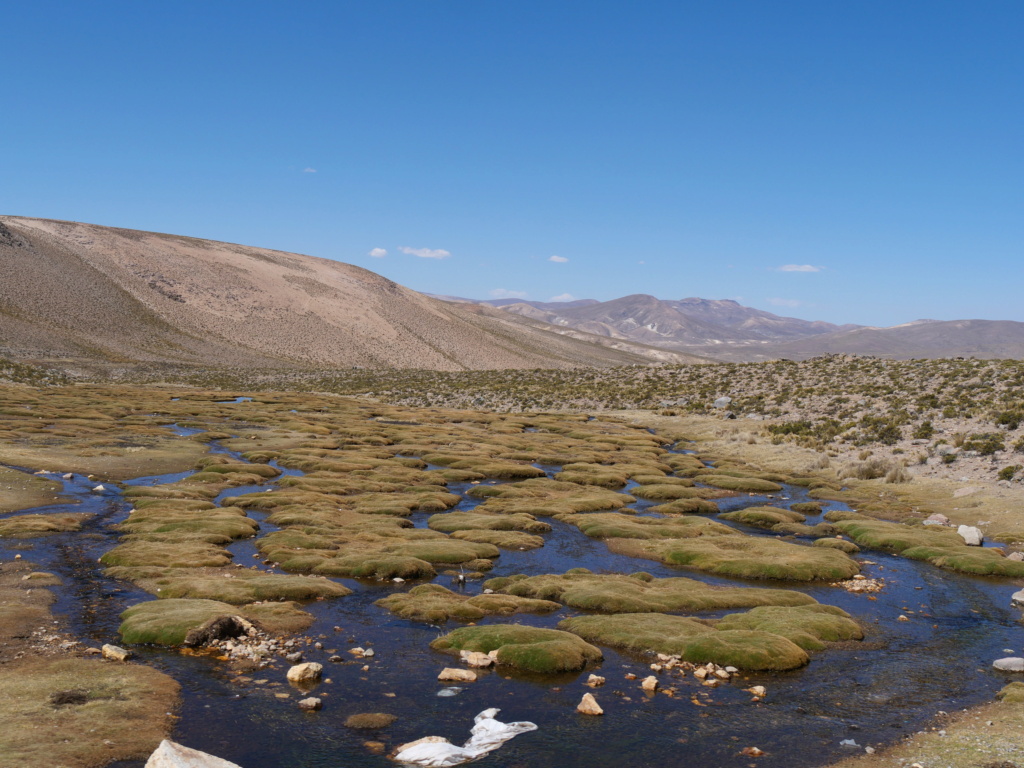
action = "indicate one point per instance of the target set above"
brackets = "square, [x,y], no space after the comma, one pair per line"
[81,292]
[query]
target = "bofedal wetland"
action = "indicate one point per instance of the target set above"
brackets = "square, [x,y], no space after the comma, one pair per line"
[224,537]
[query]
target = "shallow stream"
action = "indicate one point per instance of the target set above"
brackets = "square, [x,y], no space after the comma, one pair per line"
[872,692]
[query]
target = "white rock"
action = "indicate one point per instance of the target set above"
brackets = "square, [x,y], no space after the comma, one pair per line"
[476,659]
[99,489]
[972,536]
[595,681]
[936,519]
[650,684]
[588,705]
[172,755]
[1017,598]
[312,704]
[305,673]
[1009,664]
[1016,556]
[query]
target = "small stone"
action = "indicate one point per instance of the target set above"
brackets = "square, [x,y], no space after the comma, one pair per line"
[115,653]
[366,654]
[751,752]
[293,658]
[588,705]
[1017,598]
[595,681]
[312,704]
[375,747]
[650,684]
[476,659]
[449,674]
[758,690]
[901,617]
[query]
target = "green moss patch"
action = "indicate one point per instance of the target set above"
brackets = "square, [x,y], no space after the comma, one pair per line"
[809,626]
[167,622]
[744,557]
[694,641]
[615,593]
[611,525]
[529,649]
[235,586]
[763,517]
[747,484]
[30,526]
[435,604]
[482,521]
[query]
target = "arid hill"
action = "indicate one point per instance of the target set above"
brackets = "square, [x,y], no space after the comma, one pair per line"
[81,293]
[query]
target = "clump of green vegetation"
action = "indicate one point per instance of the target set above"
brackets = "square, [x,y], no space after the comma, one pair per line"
[546,497]
[237,587]
[1012,693]
[742,484]
[640,593]
[168,622]
[369,720]
[809,626]
[763,517]
[841,544]
[435,604]
[609,525]
[503,539]
[483,521]
[693,640]
[29,526]
[1008,472]
[687,507]
[529,649]
[167,554]
[744,557]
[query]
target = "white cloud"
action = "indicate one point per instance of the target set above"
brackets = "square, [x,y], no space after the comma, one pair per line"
[641,262]
[426,253]
[558,259]
[798,268]
[785,302]
[501,293]
[563,297]
[309,170]
[378,253]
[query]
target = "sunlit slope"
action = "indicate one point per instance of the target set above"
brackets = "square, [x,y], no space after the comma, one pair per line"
[75,291]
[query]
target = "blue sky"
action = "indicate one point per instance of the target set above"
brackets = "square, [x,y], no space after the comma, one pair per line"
[673,148]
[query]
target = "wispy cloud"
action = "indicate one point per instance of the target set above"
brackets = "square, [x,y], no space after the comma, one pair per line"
[785,302]
[309,170]
[558,259]
[425,253]
[378,253]
[501,293]
[798,268]
[563,297]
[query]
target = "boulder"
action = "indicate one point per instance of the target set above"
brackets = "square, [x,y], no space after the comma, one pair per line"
[936,519]
[723,402]
[476,659]
[1009,664]
[1017,598]
[972,536]
[312,704]
[309,672]
[1017,557]
[115,653]
[588,705]
[457,675]
[172,755]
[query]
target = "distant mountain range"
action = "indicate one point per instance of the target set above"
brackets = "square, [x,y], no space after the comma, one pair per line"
[723,329]
[85,295]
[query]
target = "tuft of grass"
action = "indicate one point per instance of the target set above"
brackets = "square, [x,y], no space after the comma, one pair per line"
[528,649]
[809,626]
[743,484]
[435,604]
[167,622]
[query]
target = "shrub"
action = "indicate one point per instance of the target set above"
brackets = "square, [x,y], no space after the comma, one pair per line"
[1007,473]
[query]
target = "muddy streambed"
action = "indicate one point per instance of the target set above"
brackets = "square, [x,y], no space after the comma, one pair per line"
[872,692]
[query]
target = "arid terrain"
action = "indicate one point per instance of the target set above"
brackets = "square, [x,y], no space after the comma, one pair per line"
[85,295]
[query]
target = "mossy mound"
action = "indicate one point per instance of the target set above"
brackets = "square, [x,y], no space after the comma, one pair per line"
[841,544]
[744,557]
[694,641]
[167,554]
[661,492]
[612,525]
[942,548]
[747,484]
[545,497]
[809,626]
[1012,693]
[763,517]
[639,593]
[480,521]
[816,531]
[366,567]
[807,508]
[435,604]
[529,649]
[369,720]
[503,539]
[223,523]
[30,526]
[235,586]
[167,622]
[687,507]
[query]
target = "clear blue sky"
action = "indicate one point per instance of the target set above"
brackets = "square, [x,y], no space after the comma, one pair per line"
[672,148]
